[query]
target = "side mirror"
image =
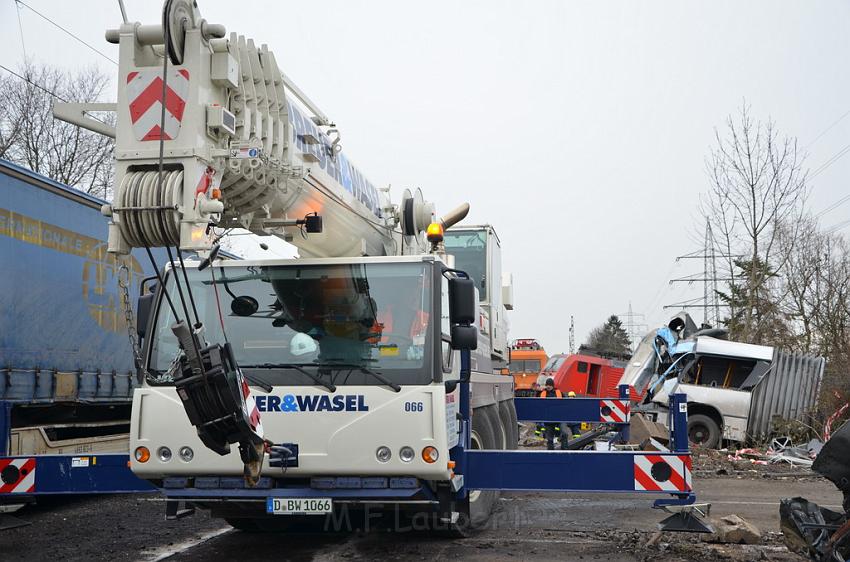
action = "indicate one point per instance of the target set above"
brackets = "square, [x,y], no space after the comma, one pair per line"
[144,307]
[462,303]
[464,337]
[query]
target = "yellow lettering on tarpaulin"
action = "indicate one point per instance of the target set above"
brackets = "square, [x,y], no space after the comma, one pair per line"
[100,268]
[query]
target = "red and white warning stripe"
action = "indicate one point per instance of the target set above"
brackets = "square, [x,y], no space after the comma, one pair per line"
[17,476]
[614,411]
[663,473]
[251,410]
[144,92]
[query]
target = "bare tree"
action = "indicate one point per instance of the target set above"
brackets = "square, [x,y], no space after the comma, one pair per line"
[30,136]
[816,294]
[757,183]
[10,119]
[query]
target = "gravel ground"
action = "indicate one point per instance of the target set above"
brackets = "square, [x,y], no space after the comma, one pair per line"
[525,526]
[122,527]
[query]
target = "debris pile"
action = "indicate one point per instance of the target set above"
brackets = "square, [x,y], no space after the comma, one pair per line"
[781,450]
[732,529]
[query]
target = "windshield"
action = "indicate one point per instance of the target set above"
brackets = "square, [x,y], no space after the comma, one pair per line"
[525,366]
[641,366]
[333,320]
[555,363]
[470,252]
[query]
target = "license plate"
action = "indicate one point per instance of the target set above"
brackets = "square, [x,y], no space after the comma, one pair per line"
[299,506]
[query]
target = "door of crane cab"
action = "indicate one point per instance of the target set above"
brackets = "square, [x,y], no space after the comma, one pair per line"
[477,250]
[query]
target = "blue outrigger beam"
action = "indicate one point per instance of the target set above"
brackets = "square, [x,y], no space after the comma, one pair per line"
[24,478]
[667,473]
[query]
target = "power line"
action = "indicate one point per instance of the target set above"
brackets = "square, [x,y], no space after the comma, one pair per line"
[21,29]
[837,227]
[834,205]
[830,161]
[39,86]
[48,92]
[47,19]
[828,129]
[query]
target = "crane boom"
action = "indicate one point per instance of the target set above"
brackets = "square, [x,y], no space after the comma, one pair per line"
[211,133]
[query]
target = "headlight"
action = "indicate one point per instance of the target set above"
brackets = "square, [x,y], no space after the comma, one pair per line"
[186,454]
[164,454]
[383,454]
[407,454]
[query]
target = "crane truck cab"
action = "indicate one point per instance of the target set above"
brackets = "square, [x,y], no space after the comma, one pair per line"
[360,369]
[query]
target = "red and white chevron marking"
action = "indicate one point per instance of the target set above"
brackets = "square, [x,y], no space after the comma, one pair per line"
[17,476]
[663,473]
[614,411]
[251,409]
[144,92]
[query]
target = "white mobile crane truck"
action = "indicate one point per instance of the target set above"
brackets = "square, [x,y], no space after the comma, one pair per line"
[374,353]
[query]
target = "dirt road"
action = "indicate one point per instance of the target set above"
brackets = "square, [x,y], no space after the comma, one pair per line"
[525,526]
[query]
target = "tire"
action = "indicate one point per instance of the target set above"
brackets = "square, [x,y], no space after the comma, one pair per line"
[499,430]
[508,424]
[484,436]
[703,431]
[514,423]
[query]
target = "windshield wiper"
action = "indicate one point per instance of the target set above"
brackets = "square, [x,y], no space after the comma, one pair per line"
[316,379]
[257,381]
[362,369]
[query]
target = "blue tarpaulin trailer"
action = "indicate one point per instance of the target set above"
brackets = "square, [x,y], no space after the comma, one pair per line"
[66,364]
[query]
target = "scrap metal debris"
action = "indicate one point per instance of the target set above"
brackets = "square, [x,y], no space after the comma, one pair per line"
[809,529]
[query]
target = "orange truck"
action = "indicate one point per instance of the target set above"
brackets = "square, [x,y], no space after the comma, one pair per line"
[527,359]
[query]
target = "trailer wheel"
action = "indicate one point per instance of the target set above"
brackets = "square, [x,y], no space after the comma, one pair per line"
[508,422]
[703,431]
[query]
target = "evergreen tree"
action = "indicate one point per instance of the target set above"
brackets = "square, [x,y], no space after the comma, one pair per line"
[610,338]
[755,315]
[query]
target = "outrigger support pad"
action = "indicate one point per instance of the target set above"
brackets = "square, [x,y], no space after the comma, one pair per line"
[687,518]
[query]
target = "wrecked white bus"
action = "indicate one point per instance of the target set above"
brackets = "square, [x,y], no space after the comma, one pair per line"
[735,390]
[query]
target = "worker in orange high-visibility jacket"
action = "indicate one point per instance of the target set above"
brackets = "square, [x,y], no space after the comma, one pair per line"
[550,430]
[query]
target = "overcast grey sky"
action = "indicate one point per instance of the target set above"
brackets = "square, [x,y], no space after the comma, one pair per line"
[579,130]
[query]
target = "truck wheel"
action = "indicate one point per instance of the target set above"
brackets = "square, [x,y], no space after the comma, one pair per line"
[484,436]
[509,424]
[500,431]
[703,431]
[514,423]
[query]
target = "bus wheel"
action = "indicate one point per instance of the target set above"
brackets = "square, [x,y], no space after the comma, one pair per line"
[703,431]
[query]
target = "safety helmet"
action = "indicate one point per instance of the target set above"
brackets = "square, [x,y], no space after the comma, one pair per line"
[302,344]
[571,394]
[550,382]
